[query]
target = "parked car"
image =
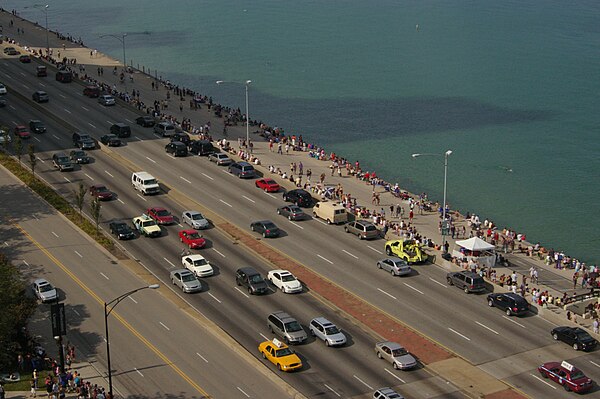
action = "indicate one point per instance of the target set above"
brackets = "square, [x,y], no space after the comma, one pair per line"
[266,228]
[220,158]
[110,140]
[106,100]
[243,170]
[64,76]
[394,265]
[44,291]
[285,281]
[299,197]
[386,393]
[62,162]
[79,157]
[466,281]
[83,141]
[363,229]
[512,304]
[280,355]
[395,354]
[145,121]
[195,219]
[37,126]
[192,239]
[267,184]
[251,279]
[198,265]
[165,129]
[121,230]
[570,377]
[326,331]
[40,96]
[5,137]
[182,137]
[185,280]
[409,250]
[22,132]
[101,192]
[577,337]
[292,212]
[10,50]
[177,148]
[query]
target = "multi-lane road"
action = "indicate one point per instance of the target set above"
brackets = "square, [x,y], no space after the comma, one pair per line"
[508,348]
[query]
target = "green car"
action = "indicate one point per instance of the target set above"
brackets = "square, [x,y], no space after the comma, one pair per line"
[408,250]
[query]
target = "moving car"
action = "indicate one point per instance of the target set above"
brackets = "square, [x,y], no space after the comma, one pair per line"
[22,132]
[286,327]
[198,265]
[145,182]
[110,140]
[567,375]
[577,337]
[395,354]
[146,226]
[121,130]
[195,219]
[161,215]
[44,291]
[251,279]
[121,230]
[266,228]
[192,239]
[5,137]
[285,281]
[91,91]
[220,158]
[25,59]
[83,141]
[41,71]
[40,96]
[79,157]
[101,192]
[3,89]
[243,170]
[201,147]
[185,280]
[37,126]
[145,121]
[292,212]
[394,265]
[363,229]
[299,197]
[64,76]
[326,331]
[267,184]
[386,393]
[181,136]
[62,162]
[408,250]
[106,100]
[177,148]
[330,211]
[280,355]
[512,304]
[466,281]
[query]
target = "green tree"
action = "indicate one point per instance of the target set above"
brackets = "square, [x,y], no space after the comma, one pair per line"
[19,148]
[79,195]
[95,209]
[32,158]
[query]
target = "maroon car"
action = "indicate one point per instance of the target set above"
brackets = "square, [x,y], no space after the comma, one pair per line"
[161,215]
[22,132]
[101,192]
[567,375]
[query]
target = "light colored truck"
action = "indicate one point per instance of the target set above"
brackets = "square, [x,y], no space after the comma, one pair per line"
[331,212]
[147,226]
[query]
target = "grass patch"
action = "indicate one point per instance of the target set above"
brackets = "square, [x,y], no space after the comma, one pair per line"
[25,383]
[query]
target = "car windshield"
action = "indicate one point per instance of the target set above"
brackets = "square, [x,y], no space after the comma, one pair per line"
[283,352]
[582,335]
[221,156]
[150,181]
[200,262]
[78,153]
[162,212]
[293,326]
[194,236]
[63,159]
[269,181]
[295,209]
[576,375]
[270,226]
[101,189]
[120,227]
[147,223]
[46,288]
[197,216]
[288,277]
[399,352]
[331,330]
[370,227]
[188,277]
[256,278]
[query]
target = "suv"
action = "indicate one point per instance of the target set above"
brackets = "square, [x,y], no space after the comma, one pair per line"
[37,126]
[299,197]
[40,97]
[242,170]
[41,71]
[62,162]
[64,76]
[467,281]
[120,130]
[325,330]
[364,229]
[83,141]
[512,304]
[165,129]
[250,278]
[177,148]
[288,328]
[201,147]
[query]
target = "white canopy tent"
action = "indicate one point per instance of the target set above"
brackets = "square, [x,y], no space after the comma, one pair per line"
[477,250]
[475,244]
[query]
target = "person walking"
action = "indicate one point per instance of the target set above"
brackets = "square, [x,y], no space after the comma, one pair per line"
[596,325]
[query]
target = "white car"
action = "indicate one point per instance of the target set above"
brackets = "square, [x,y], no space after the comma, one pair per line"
[44,291]
[285,281]
[2,89]
[195,219]
[198,265]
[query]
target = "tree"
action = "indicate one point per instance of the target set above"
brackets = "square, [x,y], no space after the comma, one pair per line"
[19,148]
[80,197]
[32,158]
[95,209]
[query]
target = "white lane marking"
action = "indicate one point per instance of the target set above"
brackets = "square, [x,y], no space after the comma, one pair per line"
[264,336]
[364,383]
[594,363]
[373,249]
[296,224]
[5,243]
[138,138]
[90,177]
[226,203]
[78,254]
[241,292]
[217,251]
[26,264]
[104,275]
[354,256]
[185,180]
[214,297]
[109,122]
[56,137]
[92,125]
[86,109]
[437,282]
[249,199]
[548,321]
[134,301]
[40,159]
[486,327]
[320,221]
[542,380]
[169,262]
[151,160]
[43,85]
[386,293]
[56,235]
[25,86]
[61,95]
[128,120]
[76,312]
[67,111]
[226,172]
[142,198]
[166,328]
[242,391]
[38,140]
[159,136]
[13,108]
[119,199]
[108,173]
[459,334]
[332,390]
[395,376]
[202,357]
[67,179]
[138,371]
[207,176]
[325,259]
[511,320]
[413,288]
[270,195]
[180,225]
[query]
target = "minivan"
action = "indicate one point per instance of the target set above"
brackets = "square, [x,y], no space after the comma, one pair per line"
[288,328]
[165,129]
[243,170]
[331,212]
[64,76]
[40,97]
[62,162]
[364,229]
[201,147]
[120,130]
[466,281]
[251,279]
[145,182]
[83,141]
[177,148]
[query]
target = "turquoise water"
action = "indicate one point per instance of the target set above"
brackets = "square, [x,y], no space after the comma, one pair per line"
[511,87]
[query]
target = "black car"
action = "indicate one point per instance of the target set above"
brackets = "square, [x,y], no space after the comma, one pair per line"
[83,141]
[183,137]
[466,281]
[177,148]
[79,156]
[577,337]
[512,304]
[110,140]
[292,212]
[121,230]
[266,228]
[37,126]
[145,121]
[299,197]
[252,280]
[201,147]
[120,130]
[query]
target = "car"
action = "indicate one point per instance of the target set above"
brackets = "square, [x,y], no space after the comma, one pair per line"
[3,89]
[266,228]
[44,291]
[195,219]
[64,76]
[91,91]
[40,96]
[386,393]
[192,239]
[267,184]
[11,51]
[577,337]
[280,355]
[512,304]
[198,265]
[363,229]
[146,226]
[145,121]
[396,354]
[106,100]
[79,157]
[41,71]
[326,331]
[409,250]
[394,265]
[182,137]
[285,281]
[251,279]
[83,141]
[161,215]
[220,158]
[287,327]
[292,212]
[121,130]
[185,280]
[5,137]
[101,192]
[201,147]
[121,230]
[110,140]
[37,126]
[3,103]
[243,170]
[466,281]
[299,197]
[567,375]
[22,132]
[25,59]
[62,162]
[177,148]
[165,129]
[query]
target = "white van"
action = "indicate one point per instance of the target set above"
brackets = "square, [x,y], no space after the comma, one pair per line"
[331,212]
[145,182]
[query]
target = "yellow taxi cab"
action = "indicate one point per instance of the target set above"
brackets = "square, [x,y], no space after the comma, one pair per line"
[280,355]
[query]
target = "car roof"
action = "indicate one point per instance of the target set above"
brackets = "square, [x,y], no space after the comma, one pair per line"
[193,212]
[182,271]
[188,231]
[391,345]
[395,259]
[158,208]
[98,185]
[323,321]
[195,257]
[40,281]
[248,270]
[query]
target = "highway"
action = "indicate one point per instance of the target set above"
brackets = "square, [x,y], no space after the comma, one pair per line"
[463,323]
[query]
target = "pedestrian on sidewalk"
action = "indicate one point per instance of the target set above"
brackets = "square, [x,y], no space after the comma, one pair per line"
[33,393]
[596,325]
[575,278]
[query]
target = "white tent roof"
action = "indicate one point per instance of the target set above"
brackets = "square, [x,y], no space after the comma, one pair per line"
[475,244]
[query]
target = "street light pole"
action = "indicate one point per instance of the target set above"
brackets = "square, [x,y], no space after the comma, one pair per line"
[122,40]
[45,8]
[107,310]
[247,115]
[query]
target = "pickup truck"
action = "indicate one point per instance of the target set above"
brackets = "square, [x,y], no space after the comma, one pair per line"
[147,226]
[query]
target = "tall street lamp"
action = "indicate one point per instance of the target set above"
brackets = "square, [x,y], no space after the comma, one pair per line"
[247,83]
[45,8]
[444,221]
[107,310]
[120,38]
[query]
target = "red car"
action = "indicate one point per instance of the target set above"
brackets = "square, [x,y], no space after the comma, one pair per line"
[22,132]
[161,215]
[25,59]
[567,375]
[269,185]
[192,239]
[101,192]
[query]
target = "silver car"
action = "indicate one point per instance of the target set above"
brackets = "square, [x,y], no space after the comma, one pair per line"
[394,265]
[395,354]
[106,100]
[186,280]
[386,393]
[44,291]
[363,229]
[220,158]
[195,219]
[326,331]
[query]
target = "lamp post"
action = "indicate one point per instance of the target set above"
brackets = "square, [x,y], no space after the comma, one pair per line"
[120,38]
[247,83]
[45,8]
[444,222]
[107,310]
